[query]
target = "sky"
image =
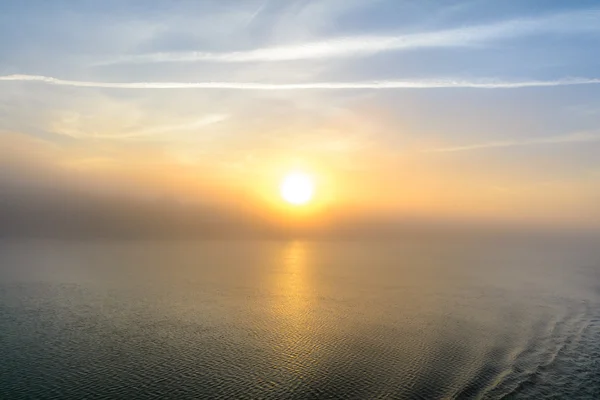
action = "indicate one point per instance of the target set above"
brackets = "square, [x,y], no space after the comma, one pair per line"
[149,116]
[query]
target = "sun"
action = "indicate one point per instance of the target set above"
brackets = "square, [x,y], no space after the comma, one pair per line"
[297,188]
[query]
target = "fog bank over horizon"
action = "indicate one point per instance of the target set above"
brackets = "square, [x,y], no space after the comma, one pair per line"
[44,193]
[62,211]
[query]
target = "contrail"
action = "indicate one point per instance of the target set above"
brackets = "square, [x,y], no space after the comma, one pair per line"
[376,84]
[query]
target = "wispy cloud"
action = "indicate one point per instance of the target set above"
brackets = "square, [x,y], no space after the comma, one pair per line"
[178,128]
[383,84]
[159,132]
[365,45]
[579,137]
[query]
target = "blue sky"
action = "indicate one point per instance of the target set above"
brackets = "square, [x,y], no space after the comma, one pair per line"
[457,107]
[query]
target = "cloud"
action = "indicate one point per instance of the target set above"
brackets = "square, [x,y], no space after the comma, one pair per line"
[580,137]
[160,131]
[365,45]
[375,84]
[191,126]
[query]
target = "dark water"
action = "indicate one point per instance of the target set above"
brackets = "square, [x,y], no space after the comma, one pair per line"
[299,320]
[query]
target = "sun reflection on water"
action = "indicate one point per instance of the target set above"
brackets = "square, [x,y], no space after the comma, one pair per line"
[292,287]
[293,309]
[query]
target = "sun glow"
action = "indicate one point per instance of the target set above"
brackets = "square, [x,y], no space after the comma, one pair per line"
[297,188]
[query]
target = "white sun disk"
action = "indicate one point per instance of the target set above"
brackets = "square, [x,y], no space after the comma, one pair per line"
[297,188]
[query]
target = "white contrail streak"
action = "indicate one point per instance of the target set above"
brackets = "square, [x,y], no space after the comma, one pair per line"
[376,84]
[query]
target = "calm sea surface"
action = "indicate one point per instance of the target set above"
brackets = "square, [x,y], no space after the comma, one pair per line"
[299,320]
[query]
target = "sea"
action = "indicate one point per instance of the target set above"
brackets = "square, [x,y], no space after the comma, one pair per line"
[299,319]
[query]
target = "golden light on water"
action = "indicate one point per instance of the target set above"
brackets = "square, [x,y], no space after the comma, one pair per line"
[294,284]
[292,291]
[297,188]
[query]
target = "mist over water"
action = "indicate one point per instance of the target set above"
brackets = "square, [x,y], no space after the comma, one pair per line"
[406,319]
